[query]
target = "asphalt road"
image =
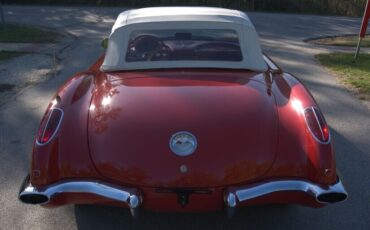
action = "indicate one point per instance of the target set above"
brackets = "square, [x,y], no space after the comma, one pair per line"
[282,38]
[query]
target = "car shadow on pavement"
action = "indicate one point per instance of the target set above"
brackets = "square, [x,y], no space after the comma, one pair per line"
[106,217]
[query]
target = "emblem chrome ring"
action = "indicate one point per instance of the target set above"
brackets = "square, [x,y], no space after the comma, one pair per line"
[183,143]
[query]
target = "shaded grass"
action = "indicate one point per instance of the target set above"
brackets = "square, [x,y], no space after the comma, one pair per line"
[6,55]
[6,87]
[355,74]
[343,41]
[27,34]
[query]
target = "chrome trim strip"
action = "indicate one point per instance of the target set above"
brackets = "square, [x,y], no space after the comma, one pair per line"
[270,64]
[56,130]
[133,200]
[309,188]
[46,124]
[317,120]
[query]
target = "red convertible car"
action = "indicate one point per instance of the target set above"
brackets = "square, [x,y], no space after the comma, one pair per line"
[183,112]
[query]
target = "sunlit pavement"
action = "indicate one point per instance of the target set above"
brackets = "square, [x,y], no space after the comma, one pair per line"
[282,37]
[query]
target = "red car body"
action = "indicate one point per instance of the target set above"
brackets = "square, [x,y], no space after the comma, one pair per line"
[255,145]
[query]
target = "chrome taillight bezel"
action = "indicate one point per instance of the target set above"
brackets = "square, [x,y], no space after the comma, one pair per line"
[314,109]
[46,125]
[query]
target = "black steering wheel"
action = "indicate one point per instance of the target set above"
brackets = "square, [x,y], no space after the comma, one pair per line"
[149,47]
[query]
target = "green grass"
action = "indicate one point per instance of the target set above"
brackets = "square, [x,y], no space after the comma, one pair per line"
[6,55]
[27,34]
[355,74]
[343,41]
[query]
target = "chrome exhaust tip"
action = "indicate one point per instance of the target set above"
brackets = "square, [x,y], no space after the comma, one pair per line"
[29,195]
[332,197]
[33,198]
[333,194]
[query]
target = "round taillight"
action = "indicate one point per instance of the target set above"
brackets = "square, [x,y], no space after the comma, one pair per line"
[49,126]
[317,125]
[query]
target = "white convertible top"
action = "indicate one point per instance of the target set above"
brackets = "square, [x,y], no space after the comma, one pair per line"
[182,18]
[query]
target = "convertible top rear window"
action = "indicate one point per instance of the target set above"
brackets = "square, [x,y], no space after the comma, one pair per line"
[183,44]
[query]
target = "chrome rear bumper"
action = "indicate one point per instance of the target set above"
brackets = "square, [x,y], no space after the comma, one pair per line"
[32,195]
[234,196]
[323,194]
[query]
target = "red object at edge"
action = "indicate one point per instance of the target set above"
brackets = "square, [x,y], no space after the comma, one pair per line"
[365,20]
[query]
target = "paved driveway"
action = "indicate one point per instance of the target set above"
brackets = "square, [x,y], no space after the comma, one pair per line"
[282,37]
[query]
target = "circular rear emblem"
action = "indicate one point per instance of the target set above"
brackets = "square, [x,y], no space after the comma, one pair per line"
[183,143]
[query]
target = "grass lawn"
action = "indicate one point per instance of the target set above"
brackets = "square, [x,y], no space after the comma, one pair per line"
[343,41]
[356,75]
[6,55]
[27,34]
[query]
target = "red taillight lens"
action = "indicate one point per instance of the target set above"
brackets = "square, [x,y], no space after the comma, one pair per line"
[49,125]
[316,124]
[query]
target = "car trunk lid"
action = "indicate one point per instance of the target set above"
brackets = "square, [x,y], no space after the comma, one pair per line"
[134,115]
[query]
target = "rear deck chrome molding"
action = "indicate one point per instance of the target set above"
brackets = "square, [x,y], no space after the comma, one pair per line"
[273,68]
[32,195]
[323,194]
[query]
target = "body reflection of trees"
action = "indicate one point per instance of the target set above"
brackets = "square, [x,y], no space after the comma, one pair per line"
[130,174]
[101,107]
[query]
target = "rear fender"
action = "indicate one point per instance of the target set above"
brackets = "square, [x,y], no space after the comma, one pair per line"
[299,154]
[67,154]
